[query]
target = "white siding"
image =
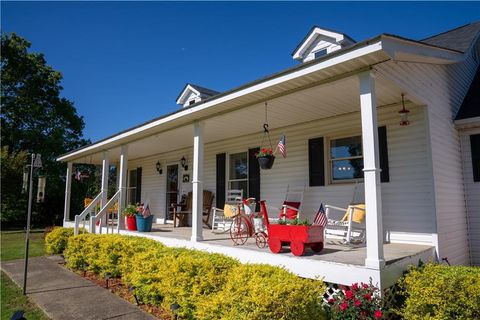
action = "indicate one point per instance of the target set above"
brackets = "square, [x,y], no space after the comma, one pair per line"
[407,198]
[442,88]
[472,190]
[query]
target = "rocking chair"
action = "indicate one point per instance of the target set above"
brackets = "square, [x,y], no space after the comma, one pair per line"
[182,210]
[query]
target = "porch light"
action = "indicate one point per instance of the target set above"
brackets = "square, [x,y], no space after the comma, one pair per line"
[183,163]
[404,114]
[159,167]
[174,308]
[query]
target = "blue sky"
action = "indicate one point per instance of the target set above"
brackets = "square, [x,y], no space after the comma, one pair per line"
[125,62]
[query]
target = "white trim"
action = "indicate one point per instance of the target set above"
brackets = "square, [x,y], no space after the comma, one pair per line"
[467,123]
[338,37]
[181,99]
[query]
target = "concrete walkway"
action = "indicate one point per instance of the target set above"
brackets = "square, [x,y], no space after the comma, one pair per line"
[65,295]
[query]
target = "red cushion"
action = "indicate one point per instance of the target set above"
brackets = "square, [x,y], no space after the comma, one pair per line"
[290,213]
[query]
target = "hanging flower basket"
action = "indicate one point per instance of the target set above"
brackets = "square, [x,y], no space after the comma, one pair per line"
[266,162]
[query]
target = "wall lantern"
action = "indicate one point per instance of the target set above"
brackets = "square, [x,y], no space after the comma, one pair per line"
[159,167]
[183,163]
[404,114]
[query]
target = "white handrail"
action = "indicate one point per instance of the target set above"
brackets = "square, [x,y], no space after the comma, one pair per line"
[110,203]
[88,210]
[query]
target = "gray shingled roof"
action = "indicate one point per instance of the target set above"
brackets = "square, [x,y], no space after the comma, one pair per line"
[470,107]
[205,91]
[457,39]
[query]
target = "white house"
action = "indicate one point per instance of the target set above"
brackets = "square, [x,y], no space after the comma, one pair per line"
[421,179]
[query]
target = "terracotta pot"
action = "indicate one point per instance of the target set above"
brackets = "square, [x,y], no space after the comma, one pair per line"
[131,223]
[266,162]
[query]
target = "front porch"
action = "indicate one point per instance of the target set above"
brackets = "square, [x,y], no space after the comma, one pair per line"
[336,263]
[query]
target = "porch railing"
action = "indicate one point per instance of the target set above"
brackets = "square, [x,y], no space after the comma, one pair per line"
[87,213]
[103,215]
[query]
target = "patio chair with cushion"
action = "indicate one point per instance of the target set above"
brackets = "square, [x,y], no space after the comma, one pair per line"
[182,210]
[350,227]
[222,218]
[291,207]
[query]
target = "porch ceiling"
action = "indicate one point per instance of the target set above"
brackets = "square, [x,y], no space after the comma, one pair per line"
[322,101]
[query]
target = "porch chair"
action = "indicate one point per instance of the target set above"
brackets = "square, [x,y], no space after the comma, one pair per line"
[348,223]
[220,221]
[292,205]
[182,210]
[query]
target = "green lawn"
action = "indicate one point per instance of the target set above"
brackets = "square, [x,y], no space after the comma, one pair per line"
[13,244]
[12,299]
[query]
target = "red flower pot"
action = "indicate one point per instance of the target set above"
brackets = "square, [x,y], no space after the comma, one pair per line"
[131,223]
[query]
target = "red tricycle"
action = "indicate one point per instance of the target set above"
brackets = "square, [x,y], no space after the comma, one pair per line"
[298,236]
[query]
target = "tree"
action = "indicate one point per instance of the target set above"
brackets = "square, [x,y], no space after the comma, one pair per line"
[35,118]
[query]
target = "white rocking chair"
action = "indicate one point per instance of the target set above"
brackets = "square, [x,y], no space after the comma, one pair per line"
[294,195]
[350,227]
[219,220]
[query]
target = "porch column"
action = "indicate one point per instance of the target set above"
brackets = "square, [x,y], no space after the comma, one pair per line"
[371,163]
[105,175]
[197,181]
[68,187]
[122,186]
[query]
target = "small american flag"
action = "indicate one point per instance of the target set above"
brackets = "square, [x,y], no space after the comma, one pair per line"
[78,175]
[281,146]
[146,211]
[320,217]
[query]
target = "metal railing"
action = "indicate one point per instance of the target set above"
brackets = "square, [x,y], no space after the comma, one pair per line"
[87,213]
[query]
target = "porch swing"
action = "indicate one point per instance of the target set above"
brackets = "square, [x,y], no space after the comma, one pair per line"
[265,156]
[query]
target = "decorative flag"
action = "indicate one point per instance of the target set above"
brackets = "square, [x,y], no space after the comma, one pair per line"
[146,211]
[320,217]
[78,175]
[281,146]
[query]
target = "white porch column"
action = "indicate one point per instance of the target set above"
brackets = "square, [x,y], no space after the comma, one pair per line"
[197,203]
[105,175]
[68,187]
[122,186]
[371,162]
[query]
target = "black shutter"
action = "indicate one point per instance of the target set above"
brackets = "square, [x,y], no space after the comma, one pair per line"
[383,149]
[138,193]
[316,162]
[220,196]
[475,149]
[254,176]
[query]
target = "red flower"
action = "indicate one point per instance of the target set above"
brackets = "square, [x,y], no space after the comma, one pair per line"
[355,287]
[343,306]
[331,301]
[368,296]
[364,285]
[363,313]
[378,314]
[348,294]
[357,303]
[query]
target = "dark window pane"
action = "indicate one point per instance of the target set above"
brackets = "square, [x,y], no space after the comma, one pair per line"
[346,147]
[320,53]
[347,169]
[240,185]
[238,166]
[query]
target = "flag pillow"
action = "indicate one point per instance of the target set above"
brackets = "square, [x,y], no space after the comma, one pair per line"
[289,213]
[358,213]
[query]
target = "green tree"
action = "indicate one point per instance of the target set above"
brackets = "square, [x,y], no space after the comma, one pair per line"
[35,118]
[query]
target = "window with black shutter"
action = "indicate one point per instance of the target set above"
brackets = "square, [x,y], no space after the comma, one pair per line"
[475,149]
[316,166]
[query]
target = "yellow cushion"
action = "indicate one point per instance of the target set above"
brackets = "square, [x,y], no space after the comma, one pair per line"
[358,213]
[230,210]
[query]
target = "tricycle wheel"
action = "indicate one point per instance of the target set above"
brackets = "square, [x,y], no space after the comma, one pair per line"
[275,245]
[261,239]
[317,247]
[239,230]
[297,248]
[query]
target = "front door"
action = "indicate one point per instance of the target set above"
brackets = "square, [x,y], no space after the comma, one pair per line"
[172,189]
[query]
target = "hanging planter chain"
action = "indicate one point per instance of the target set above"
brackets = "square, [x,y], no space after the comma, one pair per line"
[266,161]
[265,129]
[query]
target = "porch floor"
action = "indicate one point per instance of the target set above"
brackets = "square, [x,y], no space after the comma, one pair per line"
[334,250]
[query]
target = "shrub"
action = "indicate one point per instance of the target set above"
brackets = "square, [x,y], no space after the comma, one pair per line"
[360,301]
[255,291]
[56,240]
[205,285]
[441,292]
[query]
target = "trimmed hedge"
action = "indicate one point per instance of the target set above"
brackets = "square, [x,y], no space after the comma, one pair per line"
[56,240]
[441,292]
[205,285]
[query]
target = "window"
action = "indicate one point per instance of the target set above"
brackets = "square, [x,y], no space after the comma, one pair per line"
[132,187]
[346,159]
[320,53]
[191,102]
[238,171]
[475,149]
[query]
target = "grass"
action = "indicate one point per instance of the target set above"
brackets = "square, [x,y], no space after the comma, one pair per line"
[12,299]
[13,244]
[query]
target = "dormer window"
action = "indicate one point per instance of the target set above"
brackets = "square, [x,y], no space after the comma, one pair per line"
[320,42]
[192,94]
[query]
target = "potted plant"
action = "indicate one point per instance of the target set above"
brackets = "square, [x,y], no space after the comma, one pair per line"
[265,158]
[129,213]
[144,218]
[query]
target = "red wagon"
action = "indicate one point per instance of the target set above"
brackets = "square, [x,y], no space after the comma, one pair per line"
[298,236]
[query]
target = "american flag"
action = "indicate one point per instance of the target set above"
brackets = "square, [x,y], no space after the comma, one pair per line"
[78,175]
[146,211]
[320,217]
[281,146]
